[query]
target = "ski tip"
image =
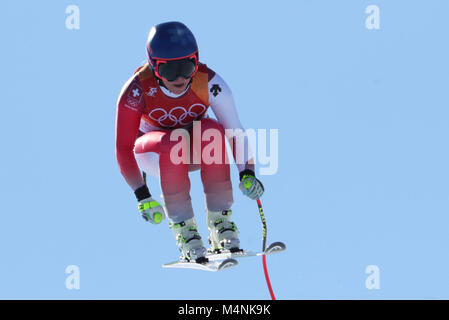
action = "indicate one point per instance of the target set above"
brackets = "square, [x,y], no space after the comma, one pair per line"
[276,247]
[228,263]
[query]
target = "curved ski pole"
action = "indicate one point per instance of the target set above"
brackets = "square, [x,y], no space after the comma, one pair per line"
[264,225]
[264,242]
[267,278]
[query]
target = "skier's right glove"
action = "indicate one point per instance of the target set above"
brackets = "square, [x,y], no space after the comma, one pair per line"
[151,210]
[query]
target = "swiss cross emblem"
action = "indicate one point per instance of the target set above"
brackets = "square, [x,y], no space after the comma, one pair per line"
[135,93]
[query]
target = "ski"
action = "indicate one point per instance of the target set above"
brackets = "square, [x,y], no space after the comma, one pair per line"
[225,260]
[275,247]
[214,266]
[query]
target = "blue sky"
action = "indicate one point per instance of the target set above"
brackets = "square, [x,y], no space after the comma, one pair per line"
[362,117]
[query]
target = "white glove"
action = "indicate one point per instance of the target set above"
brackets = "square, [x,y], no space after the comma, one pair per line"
[151,210]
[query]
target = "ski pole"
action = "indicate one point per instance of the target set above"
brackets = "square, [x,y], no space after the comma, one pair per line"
[264,242]
[264,225]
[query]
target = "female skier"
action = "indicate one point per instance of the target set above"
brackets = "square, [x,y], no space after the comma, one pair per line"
[174,90]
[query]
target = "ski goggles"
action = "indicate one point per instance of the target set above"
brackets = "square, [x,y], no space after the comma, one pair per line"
[170,70]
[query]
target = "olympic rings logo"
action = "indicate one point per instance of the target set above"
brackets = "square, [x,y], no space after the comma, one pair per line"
[177,115]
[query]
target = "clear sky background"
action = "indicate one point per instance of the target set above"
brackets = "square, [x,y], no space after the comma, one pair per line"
[363,155]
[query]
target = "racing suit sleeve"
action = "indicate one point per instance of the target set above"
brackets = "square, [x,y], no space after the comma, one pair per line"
[130,106]
[223,106]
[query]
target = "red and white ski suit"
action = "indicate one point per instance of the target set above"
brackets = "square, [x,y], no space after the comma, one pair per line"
[147,113]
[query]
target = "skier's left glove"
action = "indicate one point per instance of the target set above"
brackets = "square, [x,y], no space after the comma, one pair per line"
[250,185]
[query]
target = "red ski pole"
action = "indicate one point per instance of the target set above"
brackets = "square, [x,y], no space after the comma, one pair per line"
[264,242]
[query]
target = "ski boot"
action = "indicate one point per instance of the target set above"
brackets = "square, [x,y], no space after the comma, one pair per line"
[189,241]
[223,233]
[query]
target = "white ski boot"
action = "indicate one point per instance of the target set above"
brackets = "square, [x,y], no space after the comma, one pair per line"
[189,241]
[223,233]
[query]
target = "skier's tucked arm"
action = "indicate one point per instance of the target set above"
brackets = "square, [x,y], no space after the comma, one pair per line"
[129,112]
[223,106]
[130,107]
